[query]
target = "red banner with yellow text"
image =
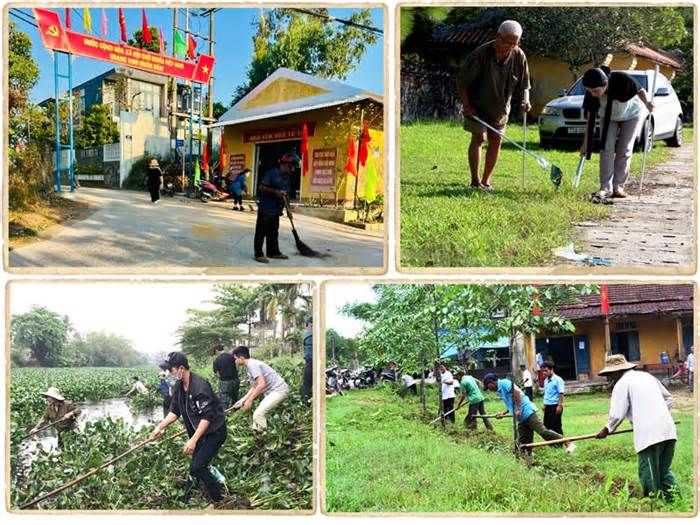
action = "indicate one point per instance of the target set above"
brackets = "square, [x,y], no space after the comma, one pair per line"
[57,38]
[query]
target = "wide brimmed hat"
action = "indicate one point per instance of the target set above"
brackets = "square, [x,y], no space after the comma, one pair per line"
[54,393]
[616,363]
[153,163]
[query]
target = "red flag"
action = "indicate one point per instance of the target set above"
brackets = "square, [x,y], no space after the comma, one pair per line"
[104,23]
[364,141]
[350,164]
[122,24]
[191,45]
[145,31]
[304,150]
[161,41]
[222,157]
[604,304]
[205,158]
[68,18]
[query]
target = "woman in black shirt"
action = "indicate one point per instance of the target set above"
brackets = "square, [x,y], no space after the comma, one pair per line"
[155,180]
[625,105]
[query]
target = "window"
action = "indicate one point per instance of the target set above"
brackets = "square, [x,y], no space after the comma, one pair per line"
[627,344]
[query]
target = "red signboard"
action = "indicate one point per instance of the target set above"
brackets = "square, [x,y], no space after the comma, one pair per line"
[237,161]
[283,133]
[57,38]
[323,170]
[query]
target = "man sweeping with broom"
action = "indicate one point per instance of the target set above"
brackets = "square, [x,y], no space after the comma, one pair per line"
[274,189]
[641,398]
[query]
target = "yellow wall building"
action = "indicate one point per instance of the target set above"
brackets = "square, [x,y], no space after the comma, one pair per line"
[645,321]
[268,122]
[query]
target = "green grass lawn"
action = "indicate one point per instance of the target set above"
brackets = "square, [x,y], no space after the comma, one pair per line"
[445,223]
[382,456]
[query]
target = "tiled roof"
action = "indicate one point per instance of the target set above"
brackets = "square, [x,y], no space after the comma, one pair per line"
[664,58]
[628,299]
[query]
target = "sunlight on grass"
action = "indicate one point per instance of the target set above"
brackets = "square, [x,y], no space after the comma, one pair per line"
[382,457]
[445,223]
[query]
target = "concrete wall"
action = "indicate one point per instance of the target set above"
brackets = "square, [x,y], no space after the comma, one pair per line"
[141,133]
[331,131]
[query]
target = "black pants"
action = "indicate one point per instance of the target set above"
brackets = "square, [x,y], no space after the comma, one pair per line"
[307,385]
[154,190]
[167,400]
[228,392]
[470,420]
[447,405]
[237,199]
[528,393]
[267,229]
[204,452]
[552,420]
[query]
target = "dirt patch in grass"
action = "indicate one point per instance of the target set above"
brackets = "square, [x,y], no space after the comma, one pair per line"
[26,225]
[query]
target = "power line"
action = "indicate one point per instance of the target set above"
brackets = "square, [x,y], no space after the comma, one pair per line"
[339,20]
[20,15]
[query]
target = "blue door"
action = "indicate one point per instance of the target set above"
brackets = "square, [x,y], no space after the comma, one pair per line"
[583,354]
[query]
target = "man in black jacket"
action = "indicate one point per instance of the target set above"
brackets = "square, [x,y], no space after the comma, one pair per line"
[225,369]
[203,416]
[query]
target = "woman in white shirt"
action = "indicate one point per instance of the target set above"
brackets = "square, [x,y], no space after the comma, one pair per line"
[448,392]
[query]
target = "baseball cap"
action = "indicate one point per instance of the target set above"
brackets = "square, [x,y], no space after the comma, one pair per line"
[174,360]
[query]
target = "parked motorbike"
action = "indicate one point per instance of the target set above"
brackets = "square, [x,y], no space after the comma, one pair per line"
[364,377]
[332,381]
[208,191]
[345,379]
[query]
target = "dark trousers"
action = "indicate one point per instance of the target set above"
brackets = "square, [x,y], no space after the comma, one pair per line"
[237,199]
[527,428]
[167,401]
[267,229]
[228,392]
[529,393]
[552,420]
[470,420]
[655,469]
[204,452]
[447,405]
[307,385]
[154,190]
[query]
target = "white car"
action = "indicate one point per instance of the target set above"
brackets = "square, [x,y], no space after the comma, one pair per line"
[562,120]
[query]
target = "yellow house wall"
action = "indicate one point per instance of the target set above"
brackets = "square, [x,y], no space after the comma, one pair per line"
[326,135]
[656,335]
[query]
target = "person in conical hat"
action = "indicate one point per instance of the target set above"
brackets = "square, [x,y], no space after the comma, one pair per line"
[58,408]
[641,398]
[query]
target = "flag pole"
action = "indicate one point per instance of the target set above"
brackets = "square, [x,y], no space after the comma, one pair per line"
[357,162]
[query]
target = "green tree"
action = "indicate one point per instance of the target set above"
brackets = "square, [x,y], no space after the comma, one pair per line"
[306,43]
[43,332]
[97,128]
[345,349]
[137,41]
[219,109]
[102,349]
[22,70]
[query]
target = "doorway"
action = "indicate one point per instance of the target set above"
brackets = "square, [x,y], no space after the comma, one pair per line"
[560,350]
[267,156]
[627,344]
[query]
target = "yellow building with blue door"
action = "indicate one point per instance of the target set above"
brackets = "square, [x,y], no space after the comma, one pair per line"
[268,122]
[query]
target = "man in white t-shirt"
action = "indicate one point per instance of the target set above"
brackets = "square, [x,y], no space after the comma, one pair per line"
[690,364]
[263,378]
[448,392]
[527,382]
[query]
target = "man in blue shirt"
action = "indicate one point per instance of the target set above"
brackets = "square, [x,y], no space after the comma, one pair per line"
[307,387]
[273,190]
[519,404]
[553,398]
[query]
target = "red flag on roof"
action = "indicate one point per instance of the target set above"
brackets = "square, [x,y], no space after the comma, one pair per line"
[191,46]
[304,150]
[364,141]
[68,17]
[205,157]
[604,304]
[145,30]
[122,25]
[351,163]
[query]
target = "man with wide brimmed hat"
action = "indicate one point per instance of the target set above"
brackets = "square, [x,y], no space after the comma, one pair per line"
[59,409]
[641,398]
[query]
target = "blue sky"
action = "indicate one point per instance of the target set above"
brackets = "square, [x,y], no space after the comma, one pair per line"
[233,31]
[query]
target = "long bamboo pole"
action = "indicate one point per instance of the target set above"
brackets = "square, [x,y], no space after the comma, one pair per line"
[576,438]
[44,427]
[95,470]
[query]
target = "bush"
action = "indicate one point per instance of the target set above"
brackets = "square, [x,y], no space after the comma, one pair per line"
[137,175]
[30,176]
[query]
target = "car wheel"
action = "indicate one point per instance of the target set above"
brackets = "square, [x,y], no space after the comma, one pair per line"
[646,138]
[545,144]
[676,141]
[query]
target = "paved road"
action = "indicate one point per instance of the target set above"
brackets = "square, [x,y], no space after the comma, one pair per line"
[656,230]
[126,230]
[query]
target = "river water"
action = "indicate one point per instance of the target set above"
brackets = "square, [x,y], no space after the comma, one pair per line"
[91,411]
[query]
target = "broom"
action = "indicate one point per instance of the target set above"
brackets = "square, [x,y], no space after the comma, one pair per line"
[303,248]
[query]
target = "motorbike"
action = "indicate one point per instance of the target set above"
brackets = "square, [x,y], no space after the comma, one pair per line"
[208,191]
[344,379]
[332,382]
[364,377]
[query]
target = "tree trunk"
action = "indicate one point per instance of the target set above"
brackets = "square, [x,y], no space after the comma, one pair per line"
[422,381]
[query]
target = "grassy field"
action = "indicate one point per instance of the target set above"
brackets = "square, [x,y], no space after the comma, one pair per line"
[382,456]
[445,223]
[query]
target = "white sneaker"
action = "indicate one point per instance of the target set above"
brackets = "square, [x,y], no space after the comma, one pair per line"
[570,448]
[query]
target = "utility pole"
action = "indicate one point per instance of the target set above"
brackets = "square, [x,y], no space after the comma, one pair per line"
[211,52]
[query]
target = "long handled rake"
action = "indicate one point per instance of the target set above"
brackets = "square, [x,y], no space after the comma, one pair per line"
[649,139]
